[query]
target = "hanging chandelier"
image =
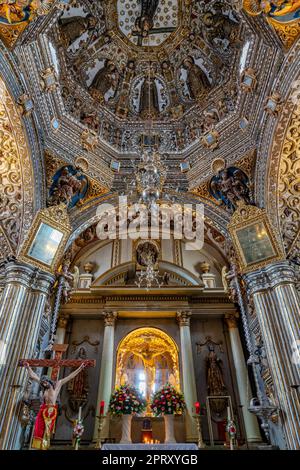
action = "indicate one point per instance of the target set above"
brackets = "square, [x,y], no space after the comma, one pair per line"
[150,277]
[150,178]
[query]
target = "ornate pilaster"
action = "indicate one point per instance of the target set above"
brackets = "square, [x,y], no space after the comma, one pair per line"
[21,310]
[250,421]
[188,373]
[276,302]
[106,372]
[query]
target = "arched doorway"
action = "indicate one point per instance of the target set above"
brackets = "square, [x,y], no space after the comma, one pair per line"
[147,358]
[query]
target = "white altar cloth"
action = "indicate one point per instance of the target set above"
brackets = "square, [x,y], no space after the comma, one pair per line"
[150,447]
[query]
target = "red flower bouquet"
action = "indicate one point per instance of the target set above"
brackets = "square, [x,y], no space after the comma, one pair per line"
[168,401]
[126,400]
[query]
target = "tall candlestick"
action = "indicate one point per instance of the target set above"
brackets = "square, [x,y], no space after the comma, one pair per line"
[79,414]
[102,405]
[197,408]
[228,414]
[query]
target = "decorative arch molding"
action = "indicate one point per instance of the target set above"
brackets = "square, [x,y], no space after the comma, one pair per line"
[215,217]
[284,178]
[16,177]
[84,222]
[272,129]
[16,87]
[178,274]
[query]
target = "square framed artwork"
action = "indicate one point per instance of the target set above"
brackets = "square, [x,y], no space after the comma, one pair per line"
[46,241]
[255,241]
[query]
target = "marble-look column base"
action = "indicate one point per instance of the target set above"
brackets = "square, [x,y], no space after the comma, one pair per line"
[277,303]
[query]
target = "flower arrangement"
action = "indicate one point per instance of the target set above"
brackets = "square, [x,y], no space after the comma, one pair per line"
[78,431]
[168,401]
[126,400]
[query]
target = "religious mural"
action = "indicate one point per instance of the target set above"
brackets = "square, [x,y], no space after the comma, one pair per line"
[229,186]
[15,15]
[282,15]
[69,186]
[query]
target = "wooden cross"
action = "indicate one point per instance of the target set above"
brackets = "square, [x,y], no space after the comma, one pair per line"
[57,362]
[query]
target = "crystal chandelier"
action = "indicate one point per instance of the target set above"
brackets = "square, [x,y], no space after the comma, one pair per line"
[150,277]
[150,178]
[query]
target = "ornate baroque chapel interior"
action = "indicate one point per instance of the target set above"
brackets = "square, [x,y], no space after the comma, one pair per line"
[115,114]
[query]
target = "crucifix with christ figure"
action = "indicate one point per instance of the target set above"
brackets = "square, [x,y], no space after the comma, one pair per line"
[51,387]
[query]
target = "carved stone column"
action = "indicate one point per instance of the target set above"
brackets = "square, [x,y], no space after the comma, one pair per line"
[188,373]
[106,372]
[250,421]
[276,303]
[21,310]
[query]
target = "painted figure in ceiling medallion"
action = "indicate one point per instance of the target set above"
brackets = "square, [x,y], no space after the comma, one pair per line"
[220,27]
[69,187]
[148,22]
[197,81]
[230,185]
[144,22]
[105,80]
[282,15]
[14,12]
[72,28]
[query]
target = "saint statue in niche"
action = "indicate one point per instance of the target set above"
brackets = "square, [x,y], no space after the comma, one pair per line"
[197,81]
[215,380]
[72,28]
[78,387]
[149,106]
[105,80]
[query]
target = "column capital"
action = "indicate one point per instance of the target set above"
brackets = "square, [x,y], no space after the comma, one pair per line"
[231,320]
[110,318]
[184,317]
[28,276]
[270,277]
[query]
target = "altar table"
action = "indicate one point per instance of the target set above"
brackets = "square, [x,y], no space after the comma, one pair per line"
[150,447]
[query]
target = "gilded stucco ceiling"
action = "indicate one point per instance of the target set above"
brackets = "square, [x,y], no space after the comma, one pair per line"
[101,79]
[103,75]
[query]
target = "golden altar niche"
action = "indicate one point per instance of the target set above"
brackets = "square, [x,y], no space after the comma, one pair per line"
[147,359]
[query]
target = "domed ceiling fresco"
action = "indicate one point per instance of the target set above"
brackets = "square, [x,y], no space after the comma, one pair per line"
[109,78]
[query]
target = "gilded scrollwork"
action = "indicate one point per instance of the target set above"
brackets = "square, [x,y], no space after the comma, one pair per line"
[16,198]
[289,185]
[284,174]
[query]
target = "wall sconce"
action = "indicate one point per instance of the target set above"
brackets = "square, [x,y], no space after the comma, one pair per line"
[248,80]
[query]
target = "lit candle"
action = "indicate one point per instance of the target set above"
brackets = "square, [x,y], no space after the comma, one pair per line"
[197,408]
[102,404]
